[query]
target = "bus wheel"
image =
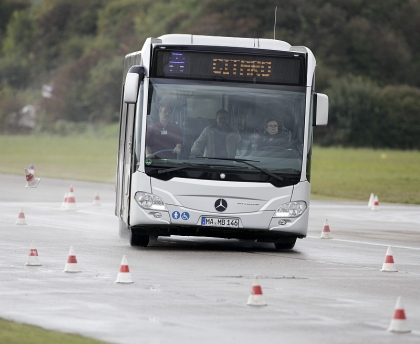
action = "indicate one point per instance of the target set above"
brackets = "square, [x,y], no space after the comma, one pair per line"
[138,240]
[285,245]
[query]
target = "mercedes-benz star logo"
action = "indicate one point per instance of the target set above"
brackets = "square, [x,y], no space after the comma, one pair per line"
[220,205]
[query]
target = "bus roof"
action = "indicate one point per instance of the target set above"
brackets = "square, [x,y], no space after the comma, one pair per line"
[261,43]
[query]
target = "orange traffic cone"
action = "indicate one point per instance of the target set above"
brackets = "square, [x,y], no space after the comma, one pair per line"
[326,233]
[124,275]
[398,322]
[21,218]
[96,200]
[64,204]
[33,257]
[388,264]
[371,198]
[71,265]
[31,181]
[375,204]
[71,200]
[256,297]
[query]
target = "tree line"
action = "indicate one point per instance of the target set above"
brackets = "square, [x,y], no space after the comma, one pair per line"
[368,57]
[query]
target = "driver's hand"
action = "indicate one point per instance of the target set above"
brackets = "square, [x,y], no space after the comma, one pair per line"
[149,156]
[177,150]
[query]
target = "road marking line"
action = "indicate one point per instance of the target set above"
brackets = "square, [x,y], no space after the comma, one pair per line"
[369,243]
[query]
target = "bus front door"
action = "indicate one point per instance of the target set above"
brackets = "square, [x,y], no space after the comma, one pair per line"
[124,169]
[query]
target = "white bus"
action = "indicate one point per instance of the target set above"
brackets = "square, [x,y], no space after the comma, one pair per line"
[216,139]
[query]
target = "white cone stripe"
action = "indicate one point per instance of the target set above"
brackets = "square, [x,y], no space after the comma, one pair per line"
[399,326]
[371,198]
[389,267]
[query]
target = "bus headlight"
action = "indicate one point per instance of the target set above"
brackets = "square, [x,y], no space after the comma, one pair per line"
[291,209]
[149,201]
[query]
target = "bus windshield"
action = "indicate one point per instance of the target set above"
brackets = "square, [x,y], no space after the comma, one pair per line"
[195,128]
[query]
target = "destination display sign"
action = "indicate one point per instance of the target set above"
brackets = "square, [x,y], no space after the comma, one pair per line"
[229,67]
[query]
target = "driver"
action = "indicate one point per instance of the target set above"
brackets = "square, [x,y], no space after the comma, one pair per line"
[273,137]
[163,137]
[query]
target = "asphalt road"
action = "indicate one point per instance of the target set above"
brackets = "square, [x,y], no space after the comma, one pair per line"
[189,290]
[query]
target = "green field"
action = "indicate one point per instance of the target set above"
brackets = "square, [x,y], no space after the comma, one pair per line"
[91,156]
[337,173]
[353,174]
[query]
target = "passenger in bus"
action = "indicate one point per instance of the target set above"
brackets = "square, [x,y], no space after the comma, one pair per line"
[219,140]
[163,138]
[274,135]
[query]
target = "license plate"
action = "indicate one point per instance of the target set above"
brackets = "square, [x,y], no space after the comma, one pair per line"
[220,222]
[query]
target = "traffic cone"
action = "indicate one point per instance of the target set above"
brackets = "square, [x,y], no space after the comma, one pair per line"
[388,264]
[375,204]
[71,265]
[21,218]
[63,205]
[326,233]
[33,257]
[124,275]
[32,182]
[371,198]
[71,200]
[96,200]
[398,322]
[256,297]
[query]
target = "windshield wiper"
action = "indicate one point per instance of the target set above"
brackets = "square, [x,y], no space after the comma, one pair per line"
[246,162]
[172,169]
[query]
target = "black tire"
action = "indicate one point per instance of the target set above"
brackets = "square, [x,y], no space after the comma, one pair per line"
[285,245]
[137,239]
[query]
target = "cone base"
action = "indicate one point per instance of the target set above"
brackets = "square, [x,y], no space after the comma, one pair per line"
[21,223]
[71,268]
[386,267]
[325,236]
[256,300]
[33,264]
[123,278]
[124,282]
[398,326]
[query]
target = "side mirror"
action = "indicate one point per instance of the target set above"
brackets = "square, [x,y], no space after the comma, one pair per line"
[131,87]
[320,109]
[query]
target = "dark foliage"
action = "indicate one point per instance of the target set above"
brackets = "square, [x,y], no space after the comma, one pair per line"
[368,55]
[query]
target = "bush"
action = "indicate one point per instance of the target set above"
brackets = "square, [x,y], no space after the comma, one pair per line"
[403,105]
[361,114]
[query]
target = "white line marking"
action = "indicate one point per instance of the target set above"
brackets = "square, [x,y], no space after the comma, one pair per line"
[367,243]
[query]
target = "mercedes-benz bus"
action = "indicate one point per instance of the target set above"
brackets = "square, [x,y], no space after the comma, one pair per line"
[187,175]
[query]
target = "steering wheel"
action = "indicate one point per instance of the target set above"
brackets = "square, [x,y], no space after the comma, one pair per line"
[162,151]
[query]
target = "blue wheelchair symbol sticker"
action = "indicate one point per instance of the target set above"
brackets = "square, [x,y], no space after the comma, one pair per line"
[185,216]
[176,215]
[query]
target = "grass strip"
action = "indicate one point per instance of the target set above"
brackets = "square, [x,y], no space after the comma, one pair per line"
[337,173]
[15,333]
[80,157]
[353,174]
